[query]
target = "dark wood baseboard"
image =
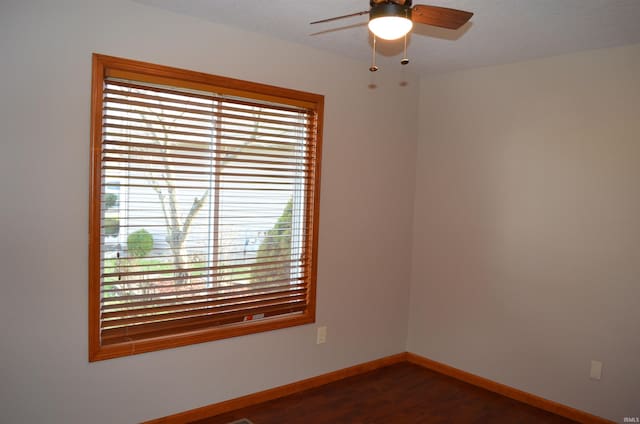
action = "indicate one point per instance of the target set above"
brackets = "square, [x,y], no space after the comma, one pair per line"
[277,392]
[510,392]
[309,383]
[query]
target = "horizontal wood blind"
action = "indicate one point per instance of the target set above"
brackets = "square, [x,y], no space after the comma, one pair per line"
[207,212]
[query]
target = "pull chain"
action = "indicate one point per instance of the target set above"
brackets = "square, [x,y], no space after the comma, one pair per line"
[404,60]
[373,67]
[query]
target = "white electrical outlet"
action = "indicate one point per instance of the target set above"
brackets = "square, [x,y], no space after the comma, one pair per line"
[321,336]
[596,370]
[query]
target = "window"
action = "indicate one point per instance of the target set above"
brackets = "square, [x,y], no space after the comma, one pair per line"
[204,207]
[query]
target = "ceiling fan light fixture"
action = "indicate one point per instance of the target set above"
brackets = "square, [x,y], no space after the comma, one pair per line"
[393,19]
[390,27]
[389,20]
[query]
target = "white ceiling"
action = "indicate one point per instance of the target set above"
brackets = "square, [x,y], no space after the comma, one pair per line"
[501,31]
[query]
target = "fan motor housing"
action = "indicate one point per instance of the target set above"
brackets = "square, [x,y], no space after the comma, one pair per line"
[389,9]
[400,2]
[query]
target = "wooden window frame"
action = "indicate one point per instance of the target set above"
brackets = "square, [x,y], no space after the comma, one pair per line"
[108,66]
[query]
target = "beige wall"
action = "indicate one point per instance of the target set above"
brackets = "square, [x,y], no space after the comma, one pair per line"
[365,218]
[526,258]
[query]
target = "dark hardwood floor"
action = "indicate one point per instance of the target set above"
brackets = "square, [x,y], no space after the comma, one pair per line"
[401,393]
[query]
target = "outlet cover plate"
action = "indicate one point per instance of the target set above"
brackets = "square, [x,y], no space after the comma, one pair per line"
[321,336]
[596,370]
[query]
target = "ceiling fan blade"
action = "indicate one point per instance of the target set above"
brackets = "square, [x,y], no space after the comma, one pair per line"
[339,17]
[439,16]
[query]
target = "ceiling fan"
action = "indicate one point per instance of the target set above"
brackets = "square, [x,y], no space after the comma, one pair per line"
[393,19]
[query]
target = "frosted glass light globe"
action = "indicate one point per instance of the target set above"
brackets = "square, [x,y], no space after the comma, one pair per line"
[390,27]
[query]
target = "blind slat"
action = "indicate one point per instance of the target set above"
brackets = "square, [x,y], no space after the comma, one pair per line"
[224,147]
[163,111]
[225,118]
[247,151]
[223,135]
[169,282]
[232,268]
[116,303]
[150,312]
[147,331]
[206,96]
[118,170]
[189,164]
[240,309]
